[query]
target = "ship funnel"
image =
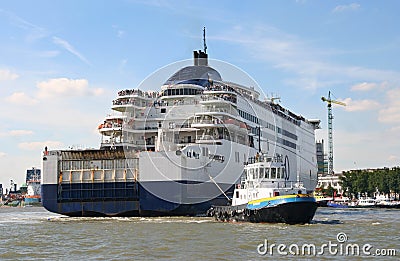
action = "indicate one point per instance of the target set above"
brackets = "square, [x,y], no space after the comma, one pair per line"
[200,58]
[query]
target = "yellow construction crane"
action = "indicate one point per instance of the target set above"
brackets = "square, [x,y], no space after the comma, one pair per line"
[330,129]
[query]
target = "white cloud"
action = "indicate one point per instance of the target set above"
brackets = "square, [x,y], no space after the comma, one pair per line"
[120,33]
[60,87]
[367,86]
[20,132]
[308,63]
[391,112]
[48,54]
[67,46]
[349,7]
[20,98]
[2,154]
[360,105]
[7,75]
[34,32]
[36,145]
[16,133]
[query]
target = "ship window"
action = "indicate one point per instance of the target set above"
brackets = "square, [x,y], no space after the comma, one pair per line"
[266,173]
[278,173]
[251,173]
[237,194]
[163,110]
[185,91]
[169,91]
[180,91]
[273,173]
[261,173]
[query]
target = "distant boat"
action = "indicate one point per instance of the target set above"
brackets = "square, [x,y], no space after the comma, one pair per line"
[266,195]
[339,203]
[33,191]
[334,204]
[364,203]
[322,201]
[388,204]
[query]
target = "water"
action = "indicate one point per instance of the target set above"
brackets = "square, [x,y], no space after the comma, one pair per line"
[35,234]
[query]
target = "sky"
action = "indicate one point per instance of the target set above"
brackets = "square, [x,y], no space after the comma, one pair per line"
[63,62]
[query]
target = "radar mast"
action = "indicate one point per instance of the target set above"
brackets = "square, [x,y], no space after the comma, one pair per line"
[204,39]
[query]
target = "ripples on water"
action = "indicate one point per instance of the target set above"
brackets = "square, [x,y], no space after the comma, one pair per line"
[33,233]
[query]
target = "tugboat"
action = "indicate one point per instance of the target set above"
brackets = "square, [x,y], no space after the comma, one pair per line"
[265,194]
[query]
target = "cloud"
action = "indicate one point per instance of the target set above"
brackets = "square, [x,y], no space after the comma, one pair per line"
[343,8]
[34,32]
[292,54]
[7,75]
[367,86]
[360,105]
[36,145]
[67,46]
[2,154]
[59,87]
[15,133]
[391,112]
[120,33]
[20,132]
[20,98]
[48,54]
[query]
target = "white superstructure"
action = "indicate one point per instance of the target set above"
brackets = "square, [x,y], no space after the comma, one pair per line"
[178,150]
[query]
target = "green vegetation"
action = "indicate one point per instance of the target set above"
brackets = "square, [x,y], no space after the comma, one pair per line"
[384,180]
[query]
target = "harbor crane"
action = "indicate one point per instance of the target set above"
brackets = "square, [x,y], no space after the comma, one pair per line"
[329,101]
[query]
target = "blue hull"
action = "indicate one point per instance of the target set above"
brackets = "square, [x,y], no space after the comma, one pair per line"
[336,205]
[117,199]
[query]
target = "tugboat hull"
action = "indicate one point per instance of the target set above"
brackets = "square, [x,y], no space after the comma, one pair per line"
[290,213]
[301,211]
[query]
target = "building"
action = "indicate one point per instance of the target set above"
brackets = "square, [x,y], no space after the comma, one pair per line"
[321,158]
[332,180]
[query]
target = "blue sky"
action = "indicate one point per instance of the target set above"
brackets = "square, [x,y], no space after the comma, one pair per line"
[62,63]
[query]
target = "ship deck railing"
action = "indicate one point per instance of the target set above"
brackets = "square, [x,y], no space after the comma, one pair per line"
[138,92]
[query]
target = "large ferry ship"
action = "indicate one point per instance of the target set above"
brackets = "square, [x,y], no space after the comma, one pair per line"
[179,150]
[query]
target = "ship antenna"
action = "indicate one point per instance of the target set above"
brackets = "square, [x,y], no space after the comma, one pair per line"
[204,39]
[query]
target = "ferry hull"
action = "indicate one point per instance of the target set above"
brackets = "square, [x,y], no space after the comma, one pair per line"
[130,200]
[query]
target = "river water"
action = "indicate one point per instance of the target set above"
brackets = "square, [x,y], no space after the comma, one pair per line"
[36,234]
